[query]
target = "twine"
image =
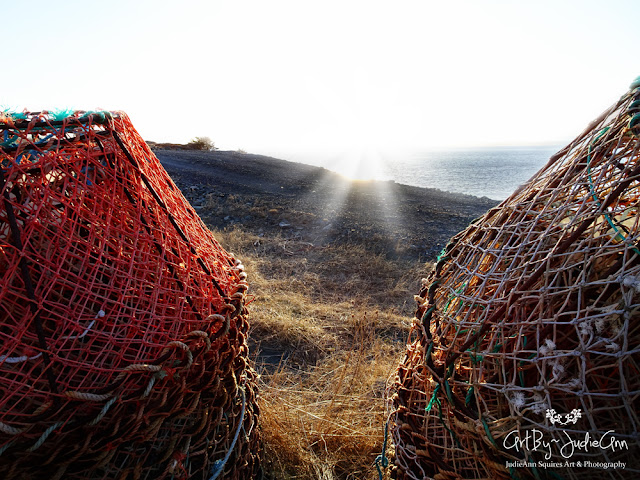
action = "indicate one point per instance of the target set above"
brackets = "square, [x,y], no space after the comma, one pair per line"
[533,306]
[90,222]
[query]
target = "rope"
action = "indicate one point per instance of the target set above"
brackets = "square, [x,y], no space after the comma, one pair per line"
[434,398]
[44,436]
[595,196]
[28,282]
[104,411]
[557,261]
[7,446]
[104,232]
[8,429]
[23,358]
[170,216]
[382,462]
[218,465]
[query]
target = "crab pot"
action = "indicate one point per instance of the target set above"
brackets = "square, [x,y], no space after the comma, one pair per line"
[529,327]
[123,326]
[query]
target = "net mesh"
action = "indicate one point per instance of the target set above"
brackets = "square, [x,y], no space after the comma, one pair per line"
[529,325]
[123,325]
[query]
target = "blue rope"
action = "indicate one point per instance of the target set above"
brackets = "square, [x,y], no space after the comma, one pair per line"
[13,114]
[218,465]
[61,114]
[6,447]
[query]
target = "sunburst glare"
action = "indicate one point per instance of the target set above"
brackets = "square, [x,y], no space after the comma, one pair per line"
[363,180]
[359,163]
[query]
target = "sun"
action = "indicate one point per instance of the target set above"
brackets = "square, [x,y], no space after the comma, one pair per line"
[360,163]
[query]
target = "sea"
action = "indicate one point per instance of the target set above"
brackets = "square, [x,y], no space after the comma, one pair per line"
[483,172]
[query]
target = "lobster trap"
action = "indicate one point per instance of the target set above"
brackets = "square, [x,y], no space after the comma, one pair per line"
[528,328]
[123,325]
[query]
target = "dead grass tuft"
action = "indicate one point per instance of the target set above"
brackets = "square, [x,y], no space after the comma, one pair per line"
[328,328]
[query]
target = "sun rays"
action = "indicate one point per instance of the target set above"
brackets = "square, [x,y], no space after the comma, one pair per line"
[356,179]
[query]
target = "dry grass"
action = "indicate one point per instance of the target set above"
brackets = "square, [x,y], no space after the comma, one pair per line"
[328,330]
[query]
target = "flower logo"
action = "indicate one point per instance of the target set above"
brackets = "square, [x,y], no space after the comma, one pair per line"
[560,419]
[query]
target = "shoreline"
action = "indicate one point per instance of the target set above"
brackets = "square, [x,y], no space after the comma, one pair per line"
[268,196]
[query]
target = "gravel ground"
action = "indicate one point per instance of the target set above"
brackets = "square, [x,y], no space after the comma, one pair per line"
[267,195]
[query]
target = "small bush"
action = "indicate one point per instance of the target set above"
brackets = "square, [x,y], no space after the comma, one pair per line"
[202,143]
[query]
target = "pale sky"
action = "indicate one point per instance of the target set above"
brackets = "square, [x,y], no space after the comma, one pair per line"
[278,76]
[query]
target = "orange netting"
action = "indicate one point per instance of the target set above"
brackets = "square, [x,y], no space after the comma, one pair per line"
[528,328]
[123,325]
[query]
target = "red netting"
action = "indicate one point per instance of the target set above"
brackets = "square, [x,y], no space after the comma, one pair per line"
[529,327]
[122,321]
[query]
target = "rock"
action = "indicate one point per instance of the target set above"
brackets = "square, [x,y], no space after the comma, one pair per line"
[284,224]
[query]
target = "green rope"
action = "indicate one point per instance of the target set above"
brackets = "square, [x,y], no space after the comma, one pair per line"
[555,475]
[458,292]
[593,191]
[434,398]
[442,257]
[427,314]
[382,460]
[58,115]
[536,473]
[469,396]
[488,432]
[435,401]
[633,106]
[475,358]
[447,389]
[635,84]
[450,370]
[13,114]
[99,116]
[429,349]
[521,376]
[453,435]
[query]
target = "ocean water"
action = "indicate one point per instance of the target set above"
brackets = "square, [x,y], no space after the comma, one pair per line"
[494,173]
[483,172]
